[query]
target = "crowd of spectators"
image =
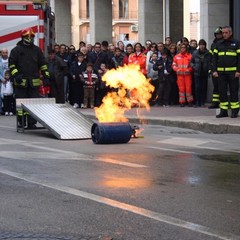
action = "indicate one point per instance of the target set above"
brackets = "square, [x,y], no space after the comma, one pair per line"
[157,61]
[178,71]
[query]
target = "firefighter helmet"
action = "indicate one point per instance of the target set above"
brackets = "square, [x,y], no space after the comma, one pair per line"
[218,30]
[28,35]
[28,32]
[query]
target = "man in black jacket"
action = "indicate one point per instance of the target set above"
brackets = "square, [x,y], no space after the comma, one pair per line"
[164,68]
[215,96]
[76,71]
[57,69]
[26,61]
[226,66]
[97,57]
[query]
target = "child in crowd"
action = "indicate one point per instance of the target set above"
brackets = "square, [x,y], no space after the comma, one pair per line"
[76,70]
[164,68]
[153,76]
[89,79]
[7,93]
[103,89]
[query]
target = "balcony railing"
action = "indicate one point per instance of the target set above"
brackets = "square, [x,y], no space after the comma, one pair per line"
[83,14]
[129,15]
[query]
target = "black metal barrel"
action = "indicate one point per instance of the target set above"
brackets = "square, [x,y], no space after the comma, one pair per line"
[111,132]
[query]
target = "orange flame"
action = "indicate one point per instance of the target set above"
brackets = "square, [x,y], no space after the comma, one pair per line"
[131,89]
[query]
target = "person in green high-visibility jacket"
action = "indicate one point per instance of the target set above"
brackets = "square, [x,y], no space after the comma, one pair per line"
[226,66]
[26,63]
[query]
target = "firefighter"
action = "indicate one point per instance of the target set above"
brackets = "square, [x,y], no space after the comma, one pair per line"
[26,62]
[215,96]
[226,66]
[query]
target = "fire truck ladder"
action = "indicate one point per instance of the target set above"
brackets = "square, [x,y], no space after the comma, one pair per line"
[62,120]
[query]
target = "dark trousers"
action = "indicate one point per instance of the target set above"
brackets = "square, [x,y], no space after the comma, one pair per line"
[163,92]
[27,92]
[8,103]
[173,95]
[153,99]
[215,97]
[77,92]
[57,91]
[225,82]
[200,89]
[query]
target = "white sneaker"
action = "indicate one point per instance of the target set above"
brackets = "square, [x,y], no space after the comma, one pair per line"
[75,105]
[82,105]
[6,113]
[10,113]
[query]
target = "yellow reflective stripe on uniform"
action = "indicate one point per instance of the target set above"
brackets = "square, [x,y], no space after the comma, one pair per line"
[231,53]
[228,69]
[43,67]
[221,53]
[224,105]
[215,50]
[231,69]
[12,66]
[22,84]
[20,112]
[47,74]
[215,98]
[36,82]
[234,105]
[238,50]
[14,71]
[211,51]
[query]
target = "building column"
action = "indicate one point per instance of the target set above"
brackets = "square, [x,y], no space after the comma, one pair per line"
[156,24]
[100,20]
[75,23]
[176,19]
[150,20]
[63,22]
[236,24]
[213,13]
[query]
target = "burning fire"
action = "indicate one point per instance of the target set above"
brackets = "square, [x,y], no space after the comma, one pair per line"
[130,89]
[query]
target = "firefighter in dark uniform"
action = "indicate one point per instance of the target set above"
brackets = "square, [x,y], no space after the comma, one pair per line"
[215,97]
[26,62]
[226,66]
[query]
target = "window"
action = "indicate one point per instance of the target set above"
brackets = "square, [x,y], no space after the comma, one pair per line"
[123,8]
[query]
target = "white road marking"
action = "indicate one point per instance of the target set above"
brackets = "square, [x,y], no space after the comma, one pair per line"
[184,141]
[196,143]
[127,207]
[57,154]
[170,149]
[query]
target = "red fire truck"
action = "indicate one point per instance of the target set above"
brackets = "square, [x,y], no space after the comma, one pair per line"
[18,15]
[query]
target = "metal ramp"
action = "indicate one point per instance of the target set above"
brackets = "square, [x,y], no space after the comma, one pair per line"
[62,120]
